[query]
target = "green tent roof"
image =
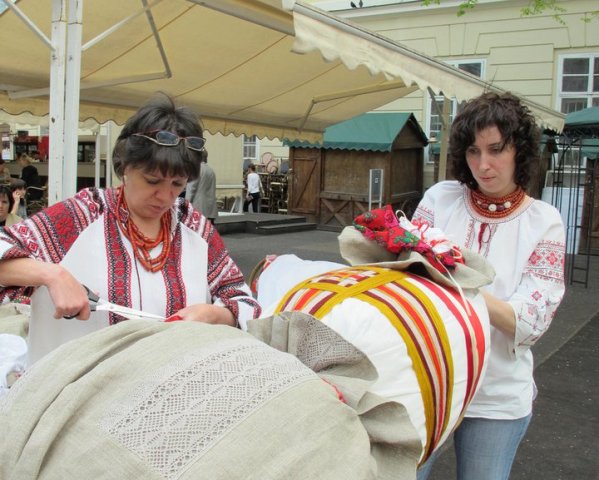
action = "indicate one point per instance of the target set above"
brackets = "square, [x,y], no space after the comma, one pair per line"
[589,147]
[585,125]
[587,116]
[369,131]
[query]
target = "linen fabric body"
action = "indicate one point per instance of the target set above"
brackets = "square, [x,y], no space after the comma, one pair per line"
[82,234]
[527,250]
[187,400]
[428,313]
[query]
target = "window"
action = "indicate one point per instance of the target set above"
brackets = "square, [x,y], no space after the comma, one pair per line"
[250,150]
[569,159]
[578,79]
[433,127]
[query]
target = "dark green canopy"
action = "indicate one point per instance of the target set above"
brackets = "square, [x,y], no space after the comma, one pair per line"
[587,116]
[584,124]
[369,131]
[590,147]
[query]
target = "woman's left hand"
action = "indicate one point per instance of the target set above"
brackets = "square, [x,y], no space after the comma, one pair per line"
[202,312]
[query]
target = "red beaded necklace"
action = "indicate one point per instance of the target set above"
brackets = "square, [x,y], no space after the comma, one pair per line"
[141,244]
[497,207]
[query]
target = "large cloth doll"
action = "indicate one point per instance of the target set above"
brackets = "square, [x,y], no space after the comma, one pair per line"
[427,333]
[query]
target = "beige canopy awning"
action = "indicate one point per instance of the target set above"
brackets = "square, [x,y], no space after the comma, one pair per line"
[231,60]
[273,68]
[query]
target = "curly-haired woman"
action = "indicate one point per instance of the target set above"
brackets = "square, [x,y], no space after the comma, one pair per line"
[493,147]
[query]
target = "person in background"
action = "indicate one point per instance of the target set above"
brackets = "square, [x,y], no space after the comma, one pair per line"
[253,189]
[6,152]
[7,217]
[30,176]
[202,192]
[137,245]
[5,175]
[493,147]
[19,192]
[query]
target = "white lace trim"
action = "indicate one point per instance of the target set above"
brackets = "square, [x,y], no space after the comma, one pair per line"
[173,417]
[321,347]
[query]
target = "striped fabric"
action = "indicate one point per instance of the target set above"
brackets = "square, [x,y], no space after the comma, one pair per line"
[408,302]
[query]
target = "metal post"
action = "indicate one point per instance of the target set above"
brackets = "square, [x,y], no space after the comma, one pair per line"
[444,139]
[375,187]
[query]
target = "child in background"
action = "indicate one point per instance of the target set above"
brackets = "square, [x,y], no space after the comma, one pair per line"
[19,191]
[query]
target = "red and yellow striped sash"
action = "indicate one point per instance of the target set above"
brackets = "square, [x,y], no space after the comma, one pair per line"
[410,311]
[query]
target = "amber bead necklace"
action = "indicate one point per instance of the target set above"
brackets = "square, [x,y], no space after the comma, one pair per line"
[142,245]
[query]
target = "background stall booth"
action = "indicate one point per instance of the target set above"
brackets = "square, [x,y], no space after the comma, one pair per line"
[330,181]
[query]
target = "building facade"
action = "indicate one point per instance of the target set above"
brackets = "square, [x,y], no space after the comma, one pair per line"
[552,61]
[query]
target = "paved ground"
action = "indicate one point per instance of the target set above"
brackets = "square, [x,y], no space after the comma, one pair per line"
[563,440]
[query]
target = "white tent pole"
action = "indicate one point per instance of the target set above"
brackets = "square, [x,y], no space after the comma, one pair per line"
[402,91]
[76,13]
[108,174]
[125,21]
[97,157]
[255,12]
[57,96]
[71,117]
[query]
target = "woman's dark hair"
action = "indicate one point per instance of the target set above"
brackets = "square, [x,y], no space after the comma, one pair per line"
[16,183]
[160,113]
[514,121]
[6,190]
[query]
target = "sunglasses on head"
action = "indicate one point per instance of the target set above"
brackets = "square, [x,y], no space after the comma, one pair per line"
[170,139]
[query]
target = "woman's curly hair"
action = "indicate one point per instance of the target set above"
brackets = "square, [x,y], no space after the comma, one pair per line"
[514,121]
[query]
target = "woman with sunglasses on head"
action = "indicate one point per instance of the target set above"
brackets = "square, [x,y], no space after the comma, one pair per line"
[138,245]
[494,147]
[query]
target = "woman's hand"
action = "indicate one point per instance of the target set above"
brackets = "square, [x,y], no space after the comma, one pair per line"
[16,195]
[68,295]
[202,312]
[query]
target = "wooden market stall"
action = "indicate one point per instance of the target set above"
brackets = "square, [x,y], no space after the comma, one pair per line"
[329,182]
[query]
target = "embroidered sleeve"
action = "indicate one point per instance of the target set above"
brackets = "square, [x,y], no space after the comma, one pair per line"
[540,291]
[424,213]
[48,235]
[225,280]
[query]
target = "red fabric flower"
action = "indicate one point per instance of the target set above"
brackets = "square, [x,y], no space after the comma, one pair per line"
[382,226]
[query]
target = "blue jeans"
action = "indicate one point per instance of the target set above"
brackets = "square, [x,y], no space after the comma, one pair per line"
[484,448]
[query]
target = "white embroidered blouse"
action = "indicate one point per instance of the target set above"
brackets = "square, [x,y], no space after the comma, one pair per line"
[527,250]
[83,235]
